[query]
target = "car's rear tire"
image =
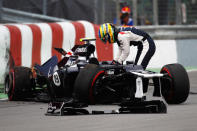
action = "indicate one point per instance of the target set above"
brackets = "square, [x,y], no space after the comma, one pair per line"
[18,84]
[175,89]
[85,82]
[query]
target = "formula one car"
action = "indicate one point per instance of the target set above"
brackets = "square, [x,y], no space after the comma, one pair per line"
[23,83]
[79,80]
[125,85]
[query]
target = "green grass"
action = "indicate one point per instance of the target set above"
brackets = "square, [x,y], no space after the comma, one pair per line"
[2,95]
[154,69]
[158,69]
[191,68]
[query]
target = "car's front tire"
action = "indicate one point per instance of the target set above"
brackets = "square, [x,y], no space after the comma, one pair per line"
[175,87]
[84,88]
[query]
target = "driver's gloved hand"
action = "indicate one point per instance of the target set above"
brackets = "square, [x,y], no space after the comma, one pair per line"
[115,63]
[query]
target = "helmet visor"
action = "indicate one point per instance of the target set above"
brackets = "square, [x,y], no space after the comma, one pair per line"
[106,38]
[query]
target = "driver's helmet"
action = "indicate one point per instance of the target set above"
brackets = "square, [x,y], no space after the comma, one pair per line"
[125,9]
[106,33]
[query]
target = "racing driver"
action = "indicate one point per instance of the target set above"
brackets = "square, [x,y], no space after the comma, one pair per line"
[126,37]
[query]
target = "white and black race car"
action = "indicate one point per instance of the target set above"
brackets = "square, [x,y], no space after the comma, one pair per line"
[80,80]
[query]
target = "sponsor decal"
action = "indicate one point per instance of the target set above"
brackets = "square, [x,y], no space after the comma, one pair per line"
[56,79]
[81,50]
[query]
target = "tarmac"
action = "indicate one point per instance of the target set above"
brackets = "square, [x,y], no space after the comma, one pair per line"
[29,116]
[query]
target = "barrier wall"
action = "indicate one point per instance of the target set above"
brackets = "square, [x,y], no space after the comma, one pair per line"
[33,43]
[187,52]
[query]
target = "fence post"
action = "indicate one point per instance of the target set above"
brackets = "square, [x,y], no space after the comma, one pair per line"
[135,11]
[96,12]
[103,11]
[1,6]
[155,12]
[178,12]
[117,12]
[44,8]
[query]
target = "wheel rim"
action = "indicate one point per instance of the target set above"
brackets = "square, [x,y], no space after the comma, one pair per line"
[167,90]
[91,90]
[11,86]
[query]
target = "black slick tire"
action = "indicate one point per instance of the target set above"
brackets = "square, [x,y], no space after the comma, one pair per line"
[19,83]
[175,89]
[85,82]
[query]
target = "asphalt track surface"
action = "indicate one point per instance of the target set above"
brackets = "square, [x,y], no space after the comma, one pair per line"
[29,116]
